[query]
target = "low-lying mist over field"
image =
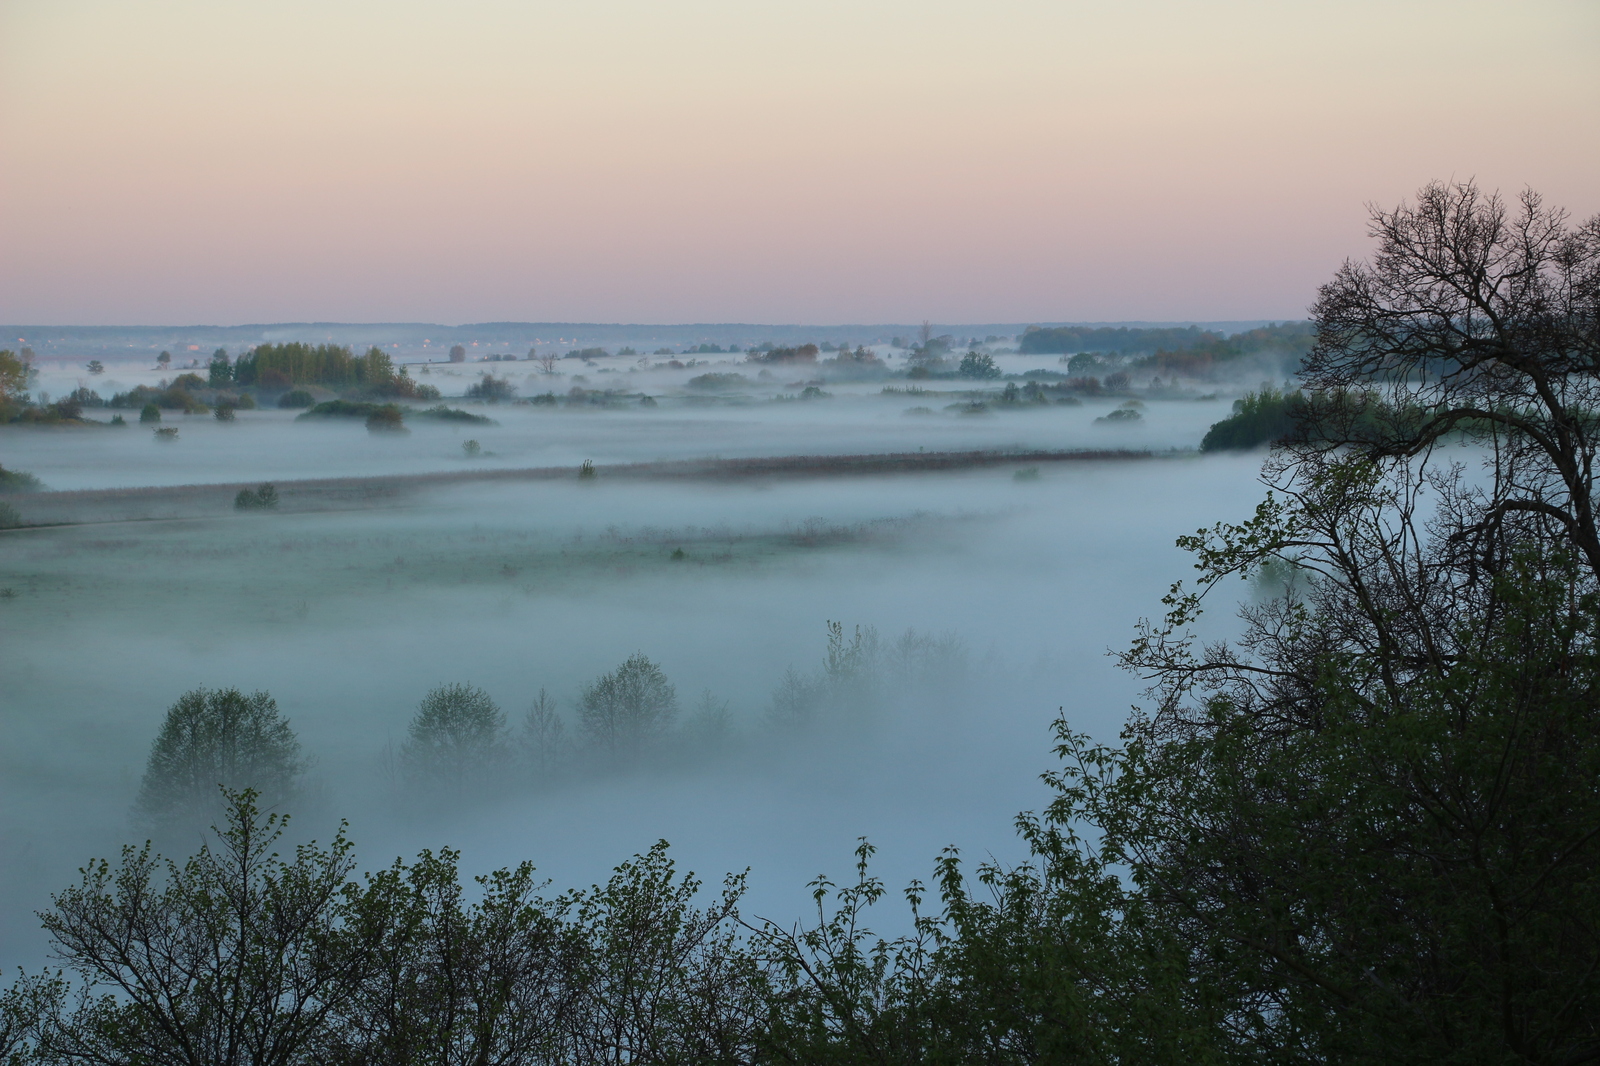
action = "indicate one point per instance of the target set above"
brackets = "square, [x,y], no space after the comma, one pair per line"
[850,654]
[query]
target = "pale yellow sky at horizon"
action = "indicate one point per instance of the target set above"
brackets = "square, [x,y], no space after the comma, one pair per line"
[701,161]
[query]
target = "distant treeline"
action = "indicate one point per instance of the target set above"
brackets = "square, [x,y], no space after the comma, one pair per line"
[1288,341]
[1061,340]
[1189,351]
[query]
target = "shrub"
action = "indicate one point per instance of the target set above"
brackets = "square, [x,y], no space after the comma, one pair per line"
[223,412]
[386,419]
[295,399]
[167,435]
[214,739]
[1122,416]
[265,497]
[10,518]
[455,414]
[472,448]
[586,470]
[18,481]
[492,389]
[711,382]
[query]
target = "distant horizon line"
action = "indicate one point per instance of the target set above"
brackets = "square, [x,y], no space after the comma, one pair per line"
[510,323]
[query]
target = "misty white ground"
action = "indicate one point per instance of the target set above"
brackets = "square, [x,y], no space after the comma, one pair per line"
[349,618]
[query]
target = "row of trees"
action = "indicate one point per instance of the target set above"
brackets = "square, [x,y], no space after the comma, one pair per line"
[461,745]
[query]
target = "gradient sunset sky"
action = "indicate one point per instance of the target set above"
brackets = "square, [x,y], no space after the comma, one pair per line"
[178,161]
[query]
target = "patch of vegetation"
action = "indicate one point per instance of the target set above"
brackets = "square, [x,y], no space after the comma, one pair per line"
[169,397]
[492,389]
[1122,416]
[10,517]
[1265,416]
[19,481]
[715,382]
[276,366]
[263,498]
[340,409]
[296,399]
[454,414]
[386,419]
[805,353]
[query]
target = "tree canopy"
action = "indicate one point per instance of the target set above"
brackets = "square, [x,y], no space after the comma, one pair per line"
[214,739]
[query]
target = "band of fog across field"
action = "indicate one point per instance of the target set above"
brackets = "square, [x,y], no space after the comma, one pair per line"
[989,557]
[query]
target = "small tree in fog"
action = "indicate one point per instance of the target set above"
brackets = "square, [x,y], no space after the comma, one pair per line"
[978,365]
[630,706]
[846,683]
[214,739]
[710,727]
[456,737]
[544,737]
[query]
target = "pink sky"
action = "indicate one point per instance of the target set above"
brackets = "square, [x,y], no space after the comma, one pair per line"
[821,161]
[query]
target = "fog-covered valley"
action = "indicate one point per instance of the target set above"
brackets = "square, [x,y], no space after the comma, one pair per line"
[992,595]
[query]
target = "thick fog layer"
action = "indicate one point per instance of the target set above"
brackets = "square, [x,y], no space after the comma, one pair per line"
[991,596]
[349,619]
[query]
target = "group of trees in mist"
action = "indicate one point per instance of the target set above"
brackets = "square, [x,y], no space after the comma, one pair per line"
[460,746]
[1365,831]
